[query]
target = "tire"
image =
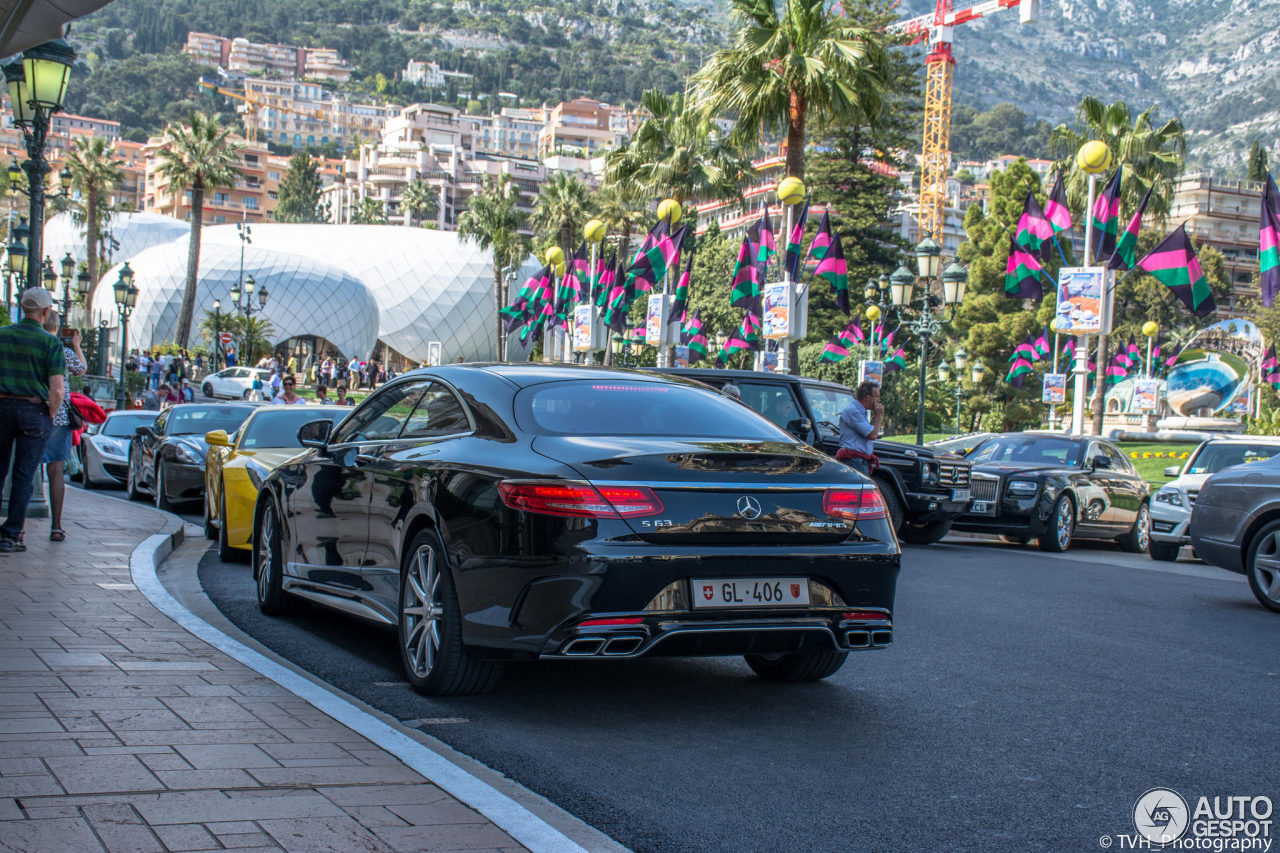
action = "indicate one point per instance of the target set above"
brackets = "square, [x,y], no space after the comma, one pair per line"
[207,390]
[226,553]
[1167,551]
[1263,566]
[925,534]
[210,532]
[1062,523]
[1020,541]
[796,667]
[1139,536]
[429,627]
[131,483]
[891,503]
[268,563]
[85,479]
[245,395]
[162,502]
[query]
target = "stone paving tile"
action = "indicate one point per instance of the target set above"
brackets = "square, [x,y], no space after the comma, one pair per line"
[248,840]
[164,761]
[476,836]
[94,773]
[232,827]
[375,816]
[9,811]
[200,807]
[142,720]
[70,834]
[385,795]
[219,756]
[29,786]
[307,835]
[121,830]
[189,836]
[191,780]
[341,775]
[445,811]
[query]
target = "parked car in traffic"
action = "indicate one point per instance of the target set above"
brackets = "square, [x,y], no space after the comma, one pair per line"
[1172,504]
[1235,525]
[166,457]
[233,383]
[525,511]
[236,465]
[1056,488]
[104,447]
[924,488]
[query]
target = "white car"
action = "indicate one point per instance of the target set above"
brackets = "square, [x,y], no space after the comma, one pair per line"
[104,447]
[233,383]
[1171,506]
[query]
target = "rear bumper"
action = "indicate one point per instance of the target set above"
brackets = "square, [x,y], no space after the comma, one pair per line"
[926,508]
[1224,555]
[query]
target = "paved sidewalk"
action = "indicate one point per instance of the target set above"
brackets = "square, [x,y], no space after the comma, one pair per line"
[121,731]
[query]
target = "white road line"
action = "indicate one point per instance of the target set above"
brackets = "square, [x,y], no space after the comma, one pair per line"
[517,821]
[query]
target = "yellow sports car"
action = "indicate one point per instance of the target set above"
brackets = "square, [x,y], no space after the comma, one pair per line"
[236,464]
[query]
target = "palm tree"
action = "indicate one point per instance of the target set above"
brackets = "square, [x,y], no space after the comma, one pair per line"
[94,172]
[679,151]
[562,208]
[1151,157]
[493,220]
[421,200]
[201,155]
[370,211]
[807,62]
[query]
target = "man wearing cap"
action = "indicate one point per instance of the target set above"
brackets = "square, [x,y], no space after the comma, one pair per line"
[33,384]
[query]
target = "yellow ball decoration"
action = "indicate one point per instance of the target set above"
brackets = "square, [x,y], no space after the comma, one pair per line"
[669,209]
[791,191]
[1150,328]
[560,269]
[1094,157]
[554,256]
[873,313]
[593,231]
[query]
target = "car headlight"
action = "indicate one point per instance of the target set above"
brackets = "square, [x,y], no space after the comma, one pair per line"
[1173,497]
[185,453]
[257,473]
[1021,488]
[112,446]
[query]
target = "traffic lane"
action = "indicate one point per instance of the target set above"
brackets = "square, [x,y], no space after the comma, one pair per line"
[1029,699]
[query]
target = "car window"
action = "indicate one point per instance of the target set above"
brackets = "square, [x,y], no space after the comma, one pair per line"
[240,373]
[277,426]
[159,422]
[1215,456]
[827,403]
[197,420]
[775,402]
[1118,462]
[383,415]
[438,413]
[1029,450]
[123,426]
[618,407]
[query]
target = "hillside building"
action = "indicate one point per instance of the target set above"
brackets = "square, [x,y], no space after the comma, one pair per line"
[253,196]
[583,127]
[241,56]
[300,113]
[431,75]
[1223,214]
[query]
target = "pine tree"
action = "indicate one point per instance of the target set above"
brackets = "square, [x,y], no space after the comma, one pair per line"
[300,192]
[1257,168]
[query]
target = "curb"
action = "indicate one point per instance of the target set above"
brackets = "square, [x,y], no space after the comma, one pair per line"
[517,821]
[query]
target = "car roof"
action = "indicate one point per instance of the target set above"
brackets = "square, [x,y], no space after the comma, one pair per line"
[534,373]
[1244,439]
[736,376]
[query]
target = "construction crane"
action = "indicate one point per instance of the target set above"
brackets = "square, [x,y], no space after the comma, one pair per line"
[252,104]
[939,72]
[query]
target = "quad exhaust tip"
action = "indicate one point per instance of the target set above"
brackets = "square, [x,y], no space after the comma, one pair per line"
[585,646]
[609,646]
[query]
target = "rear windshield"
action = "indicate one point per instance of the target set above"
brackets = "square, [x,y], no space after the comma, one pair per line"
[592,407]
[123,426]
[279,428]
[197,420]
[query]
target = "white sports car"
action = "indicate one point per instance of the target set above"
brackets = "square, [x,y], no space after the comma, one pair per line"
[104,447]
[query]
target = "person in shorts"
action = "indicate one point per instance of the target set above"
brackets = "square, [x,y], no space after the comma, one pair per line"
[57,450]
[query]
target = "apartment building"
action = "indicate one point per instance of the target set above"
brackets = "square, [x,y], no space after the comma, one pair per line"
[510,132]
[299,113]
[582,127]
[253,196]
[431,75]
[241,56]
[1223,214]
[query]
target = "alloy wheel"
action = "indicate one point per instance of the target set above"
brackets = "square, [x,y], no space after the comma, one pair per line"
[1144,528]
[263,554]
[421,612]
[1266,566]
[1062,529]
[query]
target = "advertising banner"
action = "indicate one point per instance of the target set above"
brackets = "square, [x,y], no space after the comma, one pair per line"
[871,371]
[582,328]
[654,319]
[1054,390]
[682,355]
[1081,300]
[777,310]
[1145,394]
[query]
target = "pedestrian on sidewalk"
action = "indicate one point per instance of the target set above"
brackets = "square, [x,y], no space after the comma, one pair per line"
[33,384]
[860,426]
[287,395]
[322,395]
[343,399]
[57,450]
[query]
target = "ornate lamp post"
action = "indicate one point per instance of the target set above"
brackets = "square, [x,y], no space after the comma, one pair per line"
[217,332]
[68,265]
[976,376]
[246,306]
[926,325]
[16,260]
[126,298]
[37,85]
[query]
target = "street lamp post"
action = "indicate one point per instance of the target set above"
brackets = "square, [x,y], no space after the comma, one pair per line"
[976,376]
[927,324]
[246,306]
[217,332]
[126,298]
[37,85]
[68,265]
[16,262]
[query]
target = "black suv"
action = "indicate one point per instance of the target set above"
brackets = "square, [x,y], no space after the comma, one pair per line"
[925,489]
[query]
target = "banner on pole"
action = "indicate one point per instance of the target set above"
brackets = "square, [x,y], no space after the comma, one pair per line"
[582,328]
[871,371]
[777,310]
[1145,394]
[654,320]
[682,355]
[1054,389]
[1082,301]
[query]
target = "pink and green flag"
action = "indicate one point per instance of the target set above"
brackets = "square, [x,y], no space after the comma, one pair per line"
[745,289]
[1175,265]
[852,334]
[580,273]
[1106,216]
[692,336]
[1055,207]
[1035,231]
[834,269]
[1118,369]
[897,361]
[1026,349]
[1018,370]
[1127,247]
[795,240]
[1269,242]
[605,280]
[680,304]
[659,253]
[1022,274]
[747,337]
[764,245]
[836,350]
[1271,368]
[1043,347]
[821,241]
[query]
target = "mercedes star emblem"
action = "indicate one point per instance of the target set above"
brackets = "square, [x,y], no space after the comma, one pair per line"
[748,507]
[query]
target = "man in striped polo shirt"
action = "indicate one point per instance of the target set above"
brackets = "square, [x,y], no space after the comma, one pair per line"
[32,386]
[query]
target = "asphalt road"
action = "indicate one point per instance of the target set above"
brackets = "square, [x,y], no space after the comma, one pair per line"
[1027,702]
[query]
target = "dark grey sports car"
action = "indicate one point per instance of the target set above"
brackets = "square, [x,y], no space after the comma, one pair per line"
[1236,525]
[166,458]
[520,511]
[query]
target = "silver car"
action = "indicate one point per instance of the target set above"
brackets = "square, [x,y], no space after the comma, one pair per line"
[104,447]
[1172,504]
[1236,525]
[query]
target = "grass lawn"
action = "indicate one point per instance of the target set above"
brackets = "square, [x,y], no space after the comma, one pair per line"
[911,437]
[1152,458]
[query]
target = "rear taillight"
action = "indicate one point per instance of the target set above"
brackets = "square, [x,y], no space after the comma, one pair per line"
[580,500]
[858,504]
[621,620]
[864,615]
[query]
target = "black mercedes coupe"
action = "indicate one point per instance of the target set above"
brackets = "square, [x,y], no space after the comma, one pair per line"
[523,511]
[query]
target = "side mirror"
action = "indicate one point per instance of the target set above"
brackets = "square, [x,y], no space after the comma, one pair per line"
[145,432]
[217,438]
[1172,471]
[803,426]
[315,433]
[1101,461]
